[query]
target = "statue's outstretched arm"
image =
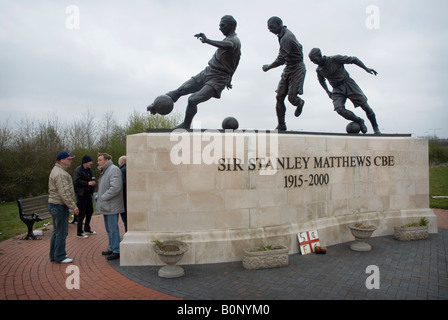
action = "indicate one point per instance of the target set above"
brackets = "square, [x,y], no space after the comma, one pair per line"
[219,44]
[360,64]
[273,65]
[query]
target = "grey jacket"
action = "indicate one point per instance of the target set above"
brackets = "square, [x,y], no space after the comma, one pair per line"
[110,186]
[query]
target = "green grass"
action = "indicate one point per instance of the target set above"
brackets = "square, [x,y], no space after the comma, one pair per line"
[11,225]
[438,186]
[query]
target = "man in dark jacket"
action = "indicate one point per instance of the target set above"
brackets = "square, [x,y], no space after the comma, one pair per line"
[124,215]
[84,185]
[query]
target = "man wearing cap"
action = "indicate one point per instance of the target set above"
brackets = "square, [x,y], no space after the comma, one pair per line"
[61,200]
[84,184]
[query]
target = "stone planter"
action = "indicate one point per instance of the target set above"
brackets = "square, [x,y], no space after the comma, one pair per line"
[361,233]
[411,233]
[254,258]
[171,253]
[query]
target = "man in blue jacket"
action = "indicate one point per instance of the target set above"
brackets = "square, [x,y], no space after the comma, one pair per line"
[110,202]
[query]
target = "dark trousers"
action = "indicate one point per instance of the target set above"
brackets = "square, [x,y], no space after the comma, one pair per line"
[59,214]
[85,206]
[124,217]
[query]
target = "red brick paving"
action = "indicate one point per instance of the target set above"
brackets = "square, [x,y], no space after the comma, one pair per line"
[442,218]
[27,274]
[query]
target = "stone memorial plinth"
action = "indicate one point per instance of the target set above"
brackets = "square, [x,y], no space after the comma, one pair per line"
[221,192]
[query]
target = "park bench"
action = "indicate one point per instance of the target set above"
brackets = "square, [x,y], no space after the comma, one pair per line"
[32,210]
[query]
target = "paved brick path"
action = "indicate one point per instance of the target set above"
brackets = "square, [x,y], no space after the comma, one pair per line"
[27,274]
[409,270]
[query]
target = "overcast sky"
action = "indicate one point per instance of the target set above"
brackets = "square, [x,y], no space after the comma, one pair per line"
[118,56]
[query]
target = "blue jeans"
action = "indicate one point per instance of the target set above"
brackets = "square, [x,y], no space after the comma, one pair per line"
[59,214]
[113,233]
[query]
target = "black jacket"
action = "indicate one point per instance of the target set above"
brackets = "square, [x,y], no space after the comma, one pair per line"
[123,172]
[81,178]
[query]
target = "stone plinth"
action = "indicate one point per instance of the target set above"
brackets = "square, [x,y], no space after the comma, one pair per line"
[223,192]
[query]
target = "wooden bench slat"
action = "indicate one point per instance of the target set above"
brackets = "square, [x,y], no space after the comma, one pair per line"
[35,199]
[32,210]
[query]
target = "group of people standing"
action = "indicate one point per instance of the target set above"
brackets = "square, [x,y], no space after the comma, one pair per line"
[110,201]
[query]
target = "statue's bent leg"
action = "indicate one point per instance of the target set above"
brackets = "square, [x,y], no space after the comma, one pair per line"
[295,88]
[298,102]
[204,94]
[372,117]
[280,109]
[188,87]
[351,116]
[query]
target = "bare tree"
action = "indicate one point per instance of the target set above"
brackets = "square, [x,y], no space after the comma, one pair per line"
[91,134]
[6,135]
[105,130]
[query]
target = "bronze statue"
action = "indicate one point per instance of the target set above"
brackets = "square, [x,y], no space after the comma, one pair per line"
[293,76]
[344,87]
[216,76]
